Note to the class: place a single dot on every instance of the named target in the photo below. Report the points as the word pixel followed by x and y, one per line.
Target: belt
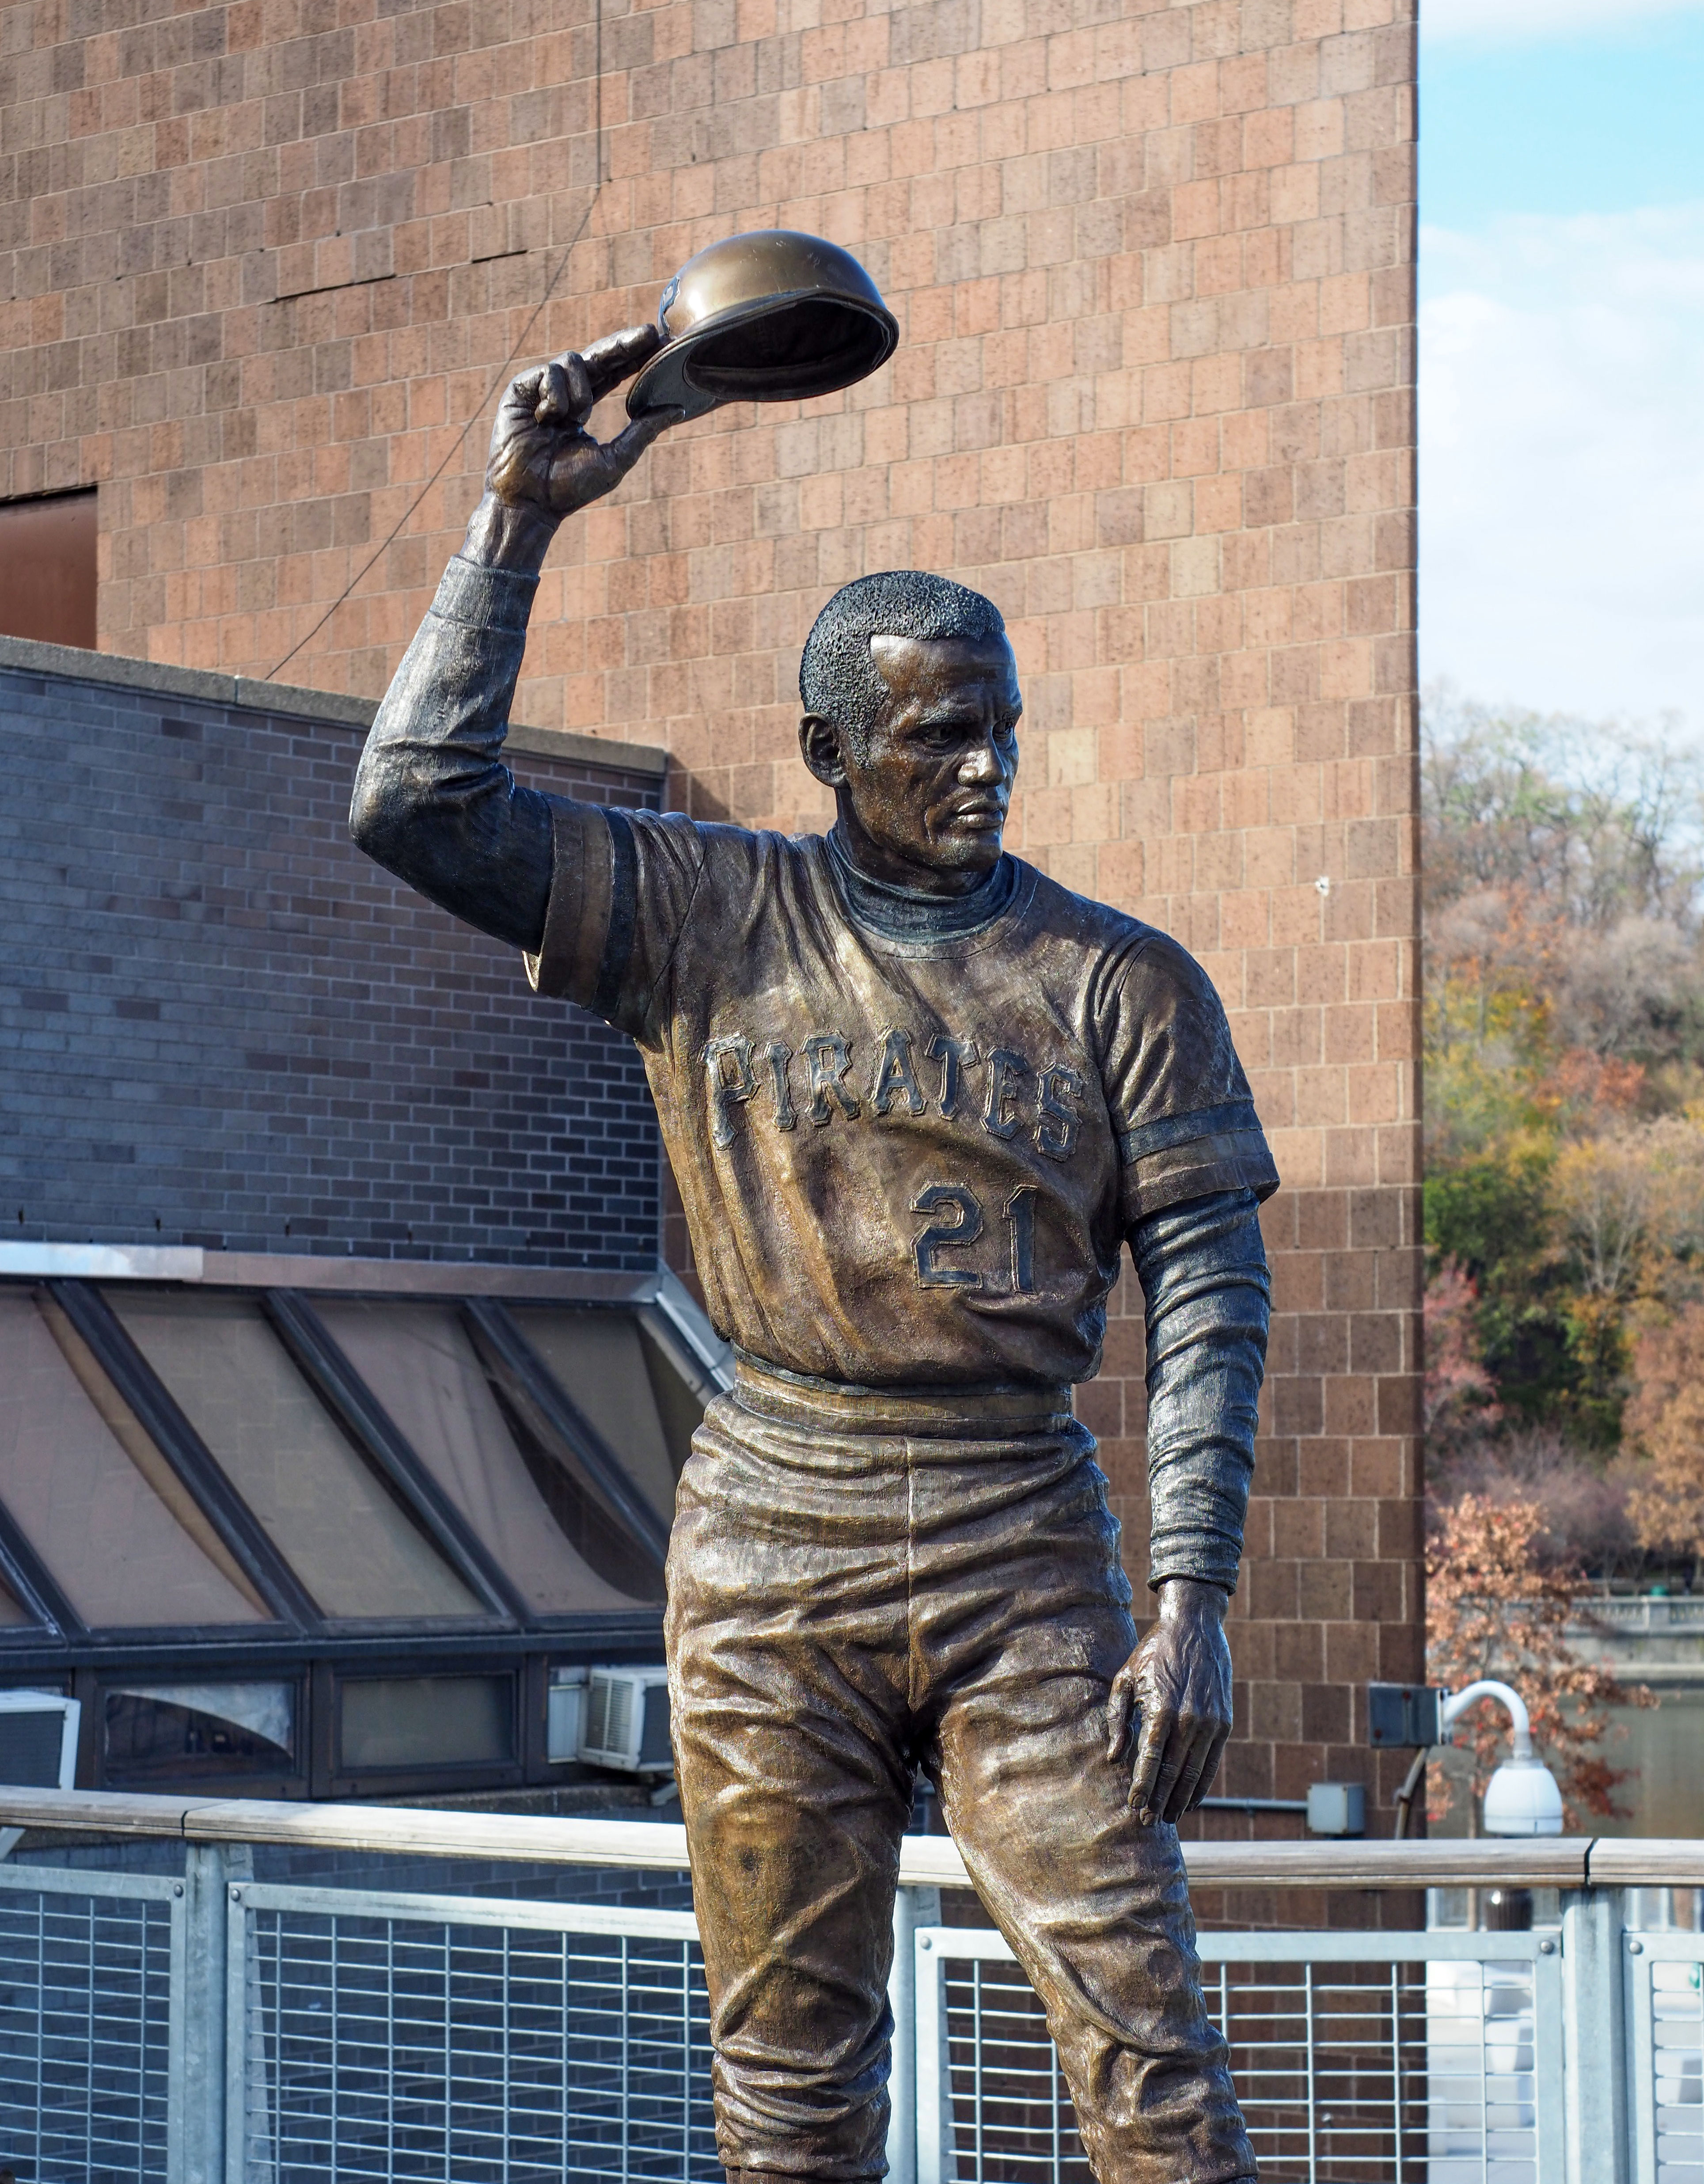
pixel 770 1391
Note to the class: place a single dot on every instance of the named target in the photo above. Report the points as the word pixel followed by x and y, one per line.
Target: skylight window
pixel 114 1527
pixel 420 1361
pixel 355 1548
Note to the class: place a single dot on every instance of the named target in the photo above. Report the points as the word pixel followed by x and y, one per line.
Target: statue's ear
pixel 819 746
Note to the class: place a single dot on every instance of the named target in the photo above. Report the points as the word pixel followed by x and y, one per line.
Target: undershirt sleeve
pixel 1179 1101
pixel 1203 1271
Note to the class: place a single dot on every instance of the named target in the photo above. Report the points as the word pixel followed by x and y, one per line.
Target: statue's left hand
pixel 1174 1692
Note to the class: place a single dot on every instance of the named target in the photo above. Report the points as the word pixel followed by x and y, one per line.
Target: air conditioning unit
pixel 625 1720
pixel 38 1740
pixel 38 1746
pixel 564 1714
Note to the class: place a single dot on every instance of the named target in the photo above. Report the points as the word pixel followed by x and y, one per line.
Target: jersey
pixel 901 1160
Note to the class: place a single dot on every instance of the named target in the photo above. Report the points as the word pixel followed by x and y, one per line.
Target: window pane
pixel 161 1732
pixel 599 1359
pixel 123 1553
pixel 418 1360
pixel 425 1721
pixel 357 1553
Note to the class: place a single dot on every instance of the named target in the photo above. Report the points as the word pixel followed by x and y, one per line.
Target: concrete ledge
pixel 570 748
pixel 291 701
pixel 200 684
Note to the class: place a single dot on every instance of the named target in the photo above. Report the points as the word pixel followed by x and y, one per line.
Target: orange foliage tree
pixel 1459 1400
pixel 1494 1609
pixel 1665 1423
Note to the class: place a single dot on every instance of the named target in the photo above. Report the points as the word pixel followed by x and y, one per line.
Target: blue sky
pixel 1562 419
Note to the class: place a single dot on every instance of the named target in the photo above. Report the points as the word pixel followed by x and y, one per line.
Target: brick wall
pixel 221 1024
pixel 1152 267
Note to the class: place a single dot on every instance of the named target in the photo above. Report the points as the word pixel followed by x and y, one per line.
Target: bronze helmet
pixel 766 317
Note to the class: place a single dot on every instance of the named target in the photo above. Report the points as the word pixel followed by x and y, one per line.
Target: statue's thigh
pixel 1027 1788
pixel 1094 1904
pixel 1022 1620
pixel 790 1751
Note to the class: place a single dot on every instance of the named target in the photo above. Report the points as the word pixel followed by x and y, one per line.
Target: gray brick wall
pixel 220 1024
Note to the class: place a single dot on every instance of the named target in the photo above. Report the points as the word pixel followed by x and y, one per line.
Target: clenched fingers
pixel 617 356
pixel 565 393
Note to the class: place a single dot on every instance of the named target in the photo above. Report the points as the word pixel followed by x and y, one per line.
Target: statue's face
pixel 925 804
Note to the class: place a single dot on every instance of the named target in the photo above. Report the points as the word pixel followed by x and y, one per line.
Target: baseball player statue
pixel 918 1098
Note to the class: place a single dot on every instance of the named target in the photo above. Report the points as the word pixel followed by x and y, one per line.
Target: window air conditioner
pixel 564 1714
pixel 38 1740
pixel 625 1722
pixel 38 1746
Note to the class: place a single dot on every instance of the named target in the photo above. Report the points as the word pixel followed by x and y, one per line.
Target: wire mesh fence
pixel 1008 2110
pixel 1369 2069
pixel 387 2045
pixel 1330 2064
pixel 86 1980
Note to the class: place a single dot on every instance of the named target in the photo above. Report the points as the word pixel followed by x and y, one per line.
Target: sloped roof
pixel 248 1464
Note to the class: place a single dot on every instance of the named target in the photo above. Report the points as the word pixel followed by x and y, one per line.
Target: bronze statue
pixel 918 1098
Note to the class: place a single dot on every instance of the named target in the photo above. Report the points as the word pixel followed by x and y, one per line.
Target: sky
pixel 1562 355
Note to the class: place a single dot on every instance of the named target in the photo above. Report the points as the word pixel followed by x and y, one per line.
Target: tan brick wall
pixel 261 262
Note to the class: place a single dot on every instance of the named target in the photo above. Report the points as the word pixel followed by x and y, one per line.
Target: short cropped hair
pixel 837 677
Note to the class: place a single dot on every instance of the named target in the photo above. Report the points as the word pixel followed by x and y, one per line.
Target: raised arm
pixel 1203 1279
pixel 433 801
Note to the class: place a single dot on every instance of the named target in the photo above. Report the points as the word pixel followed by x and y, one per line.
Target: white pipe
pixel 1458 1703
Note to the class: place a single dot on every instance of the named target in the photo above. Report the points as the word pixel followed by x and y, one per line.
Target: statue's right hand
pixel 543 462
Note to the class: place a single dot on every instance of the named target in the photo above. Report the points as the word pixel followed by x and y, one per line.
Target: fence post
pixel 1594 2036
pixel 937 2160
pixel 208 1868
pixel 912 1908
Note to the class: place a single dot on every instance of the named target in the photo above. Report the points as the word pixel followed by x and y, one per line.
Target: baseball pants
pixel 858 1583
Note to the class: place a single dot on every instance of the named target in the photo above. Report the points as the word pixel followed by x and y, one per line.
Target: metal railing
pixel 1640 1614
pixel 216 2023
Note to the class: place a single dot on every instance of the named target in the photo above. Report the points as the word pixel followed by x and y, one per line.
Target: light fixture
pixel 1522 1797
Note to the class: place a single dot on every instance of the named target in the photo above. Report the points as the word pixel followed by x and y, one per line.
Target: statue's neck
pixel 903 913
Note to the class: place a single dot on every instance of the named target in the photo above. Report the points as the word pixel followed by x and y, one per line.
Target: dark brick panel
pixel 221 1024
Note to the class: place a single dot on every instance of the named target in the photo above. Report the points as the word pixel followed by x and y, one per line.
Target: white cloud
pixel 1488 21
pixel 1561 462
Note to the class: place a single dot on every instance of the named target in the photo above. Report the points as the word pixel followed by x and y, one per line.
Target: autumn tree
pixel 1459 1401
pixel 1665 1424
pixel 1562 871
pixel 1495 1608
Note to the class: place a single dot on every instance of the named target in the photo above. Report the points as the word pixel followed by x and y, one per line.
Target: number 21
pixel 956 1235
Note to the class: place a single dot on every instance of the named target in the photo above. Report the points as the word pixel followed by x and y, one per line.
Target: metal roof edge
pixel 320 1272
